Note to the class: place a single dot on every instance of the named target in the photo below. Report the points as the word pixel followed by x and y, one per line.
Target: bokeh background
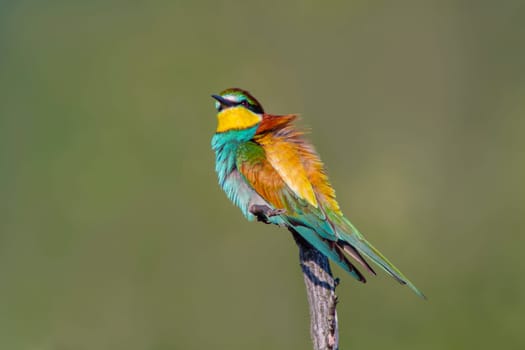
pixel 115 235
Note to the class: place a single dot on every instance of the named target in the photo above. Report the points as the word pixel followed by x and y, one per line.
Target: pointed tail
pixel 352 236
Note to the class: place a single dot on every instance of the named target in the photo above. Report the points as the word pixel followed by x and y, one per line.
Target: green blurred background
pixel 115 235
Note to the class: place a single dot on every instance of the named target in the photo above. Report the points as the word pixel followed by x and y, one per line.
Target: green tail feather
pixel 357 240
pixel 324 247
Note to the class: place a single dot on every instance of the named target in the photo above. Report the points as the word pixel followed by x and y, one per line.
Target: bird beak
pixel 223 101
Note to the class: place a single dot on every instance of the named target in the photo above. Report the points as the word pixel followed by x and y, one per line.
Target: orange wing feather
pixel 262 176
pixel 296 161
pixel 285 159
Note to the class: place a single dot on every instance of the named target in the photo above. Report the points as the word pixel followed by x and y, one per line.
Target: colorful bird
pixel 268 169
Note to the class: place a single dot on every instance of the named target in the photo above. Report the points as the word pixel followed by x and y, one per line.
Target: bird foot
pixel 263 212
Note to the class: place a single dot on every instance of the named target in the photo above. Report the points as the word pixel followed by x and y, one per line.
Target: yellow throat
pixel 236 118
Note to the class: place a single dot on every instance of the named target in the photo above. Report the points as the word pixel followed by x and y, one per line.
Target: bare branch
pixel 320 290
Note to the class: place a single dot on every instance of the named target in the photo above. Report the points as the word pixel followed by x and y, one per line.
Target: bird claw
pixel 275 212
pixel 263 212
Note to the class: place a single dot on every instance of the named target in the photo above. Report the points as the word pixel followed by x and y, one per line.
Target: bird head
pixel 237 110
pixel 235 97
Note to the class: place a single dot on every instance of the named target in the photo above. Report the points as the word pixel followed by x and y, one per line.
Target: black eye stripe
pixel 230 102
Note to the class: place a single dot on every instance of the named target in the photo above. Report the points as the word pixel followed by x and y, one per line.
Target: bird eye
pixel 244 103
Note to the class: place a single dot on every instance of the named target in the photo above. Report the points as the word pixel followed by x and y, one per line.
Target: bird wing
pixel 285 159
pixel 276 173
pixel 262 176
pixel 301 215
pixel 309 196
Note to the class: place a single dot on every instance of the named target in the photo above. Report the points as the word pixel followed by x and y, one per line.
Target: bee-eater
pixel 268 169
